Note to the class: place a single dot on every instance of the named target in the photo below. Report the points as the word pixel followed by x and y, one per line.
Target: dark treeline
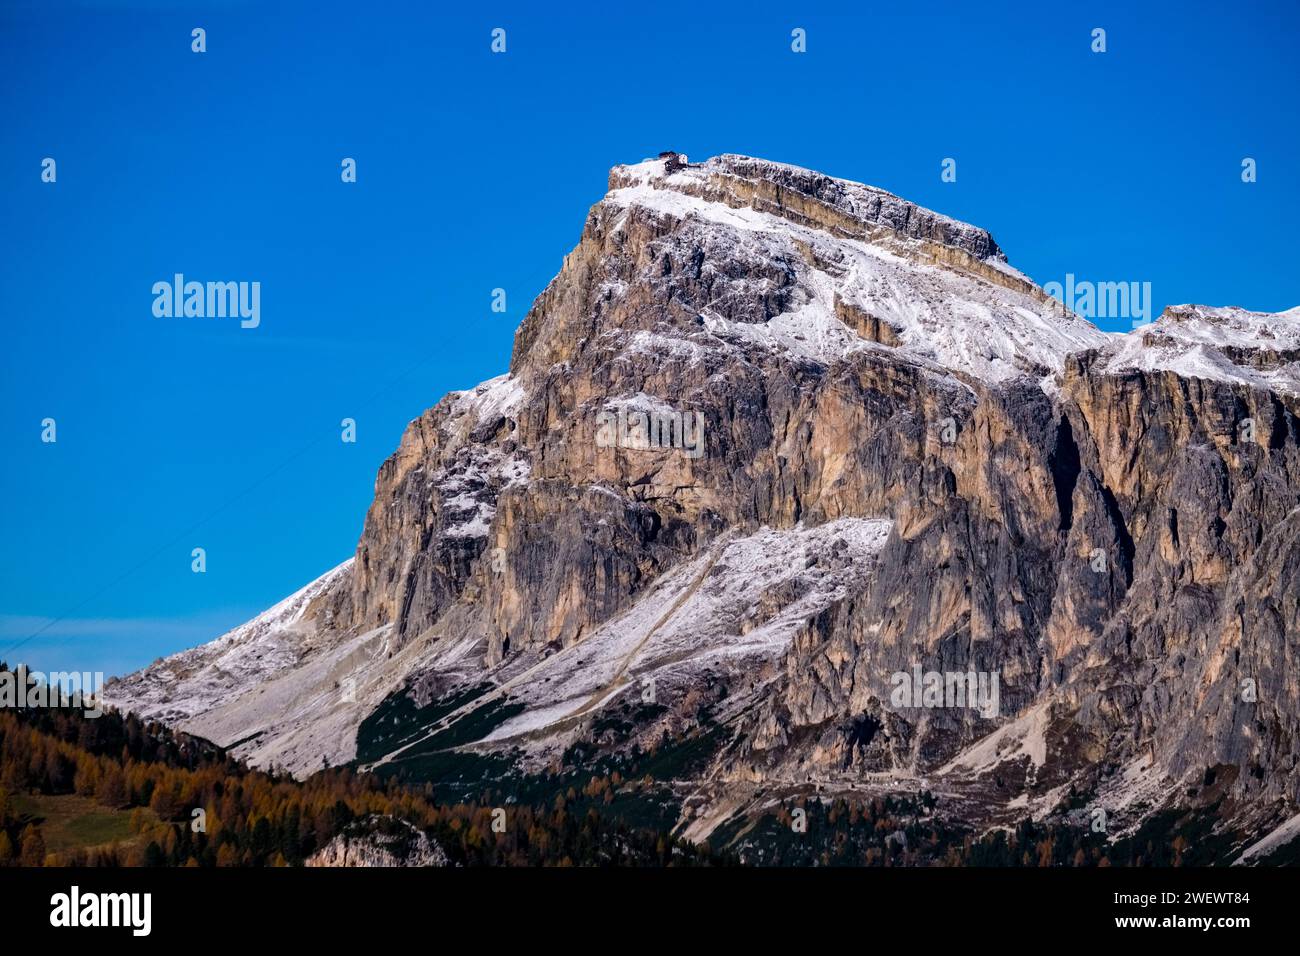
pixel 904 831
pixel 253 818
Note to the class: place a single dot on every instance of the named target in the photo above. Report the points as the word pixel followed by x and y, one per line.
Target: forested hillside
pixel 176 800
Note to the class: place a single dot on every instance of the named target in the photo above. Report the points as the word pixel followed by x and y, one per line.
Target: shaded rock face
pixel 1105 525
pixel 1197 485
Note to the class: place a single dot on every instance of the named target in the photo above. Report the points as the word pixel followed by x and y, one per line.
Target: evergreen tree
pixel 33 846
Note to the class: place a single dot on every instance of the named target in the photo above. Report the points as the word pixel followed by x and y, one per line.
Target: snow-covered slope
pixel 1227 344
pixel 1275 840
pixel 277 702
pixel 193 682
pixel 732 608
pixel 942 288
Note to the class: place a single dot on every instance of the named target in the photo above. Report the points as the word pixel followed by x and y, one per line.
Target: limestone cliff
pixel 770 440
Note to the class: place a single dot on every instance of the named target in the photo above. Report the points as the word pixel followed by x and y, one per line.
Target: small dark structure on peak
pixel 673 161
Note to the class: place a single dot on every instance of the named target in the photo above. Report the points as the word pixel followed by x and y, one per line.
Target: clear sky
pixel 474 172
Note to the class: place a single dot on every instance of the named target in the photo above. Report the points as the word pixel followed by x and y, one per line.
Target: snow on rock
pixel 743 599
pixel 866 271
pixel 468 486
pixel 969 312
pixel 194 681
pixel 494 398
pixel 1025 736
pixel 1226 344
pixel 641 402
pixel 855 201
pixel 1275 840
pixel 286 690
pixel 303 717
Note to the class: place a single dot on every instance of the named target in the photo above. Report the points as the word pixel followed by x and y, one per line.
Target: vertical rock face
pixel 1198 478
pixel 776 445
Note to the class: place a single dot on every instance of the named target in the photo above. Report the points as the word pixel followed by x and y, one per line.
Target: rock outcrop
pixel 379 841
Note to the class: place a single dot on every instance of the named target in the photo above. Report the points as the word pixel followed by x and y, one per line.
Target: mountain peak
pixel 770 442
pixel 804 264
pixel 804 195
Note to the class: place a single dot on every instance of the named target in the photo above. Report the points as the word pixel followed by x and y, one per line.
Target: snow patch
pixel 746 598
pixel 192 682
pixel 1024 736
pixel 955 319
pixel 1223 344
pixel 1275 840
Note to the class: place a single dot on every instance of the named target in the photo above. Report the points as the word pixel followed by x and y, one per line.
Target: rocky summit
pixel 797 490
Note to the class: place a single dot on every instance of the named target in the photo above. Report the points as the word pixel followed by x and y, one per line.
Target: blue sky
pixel 475 171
